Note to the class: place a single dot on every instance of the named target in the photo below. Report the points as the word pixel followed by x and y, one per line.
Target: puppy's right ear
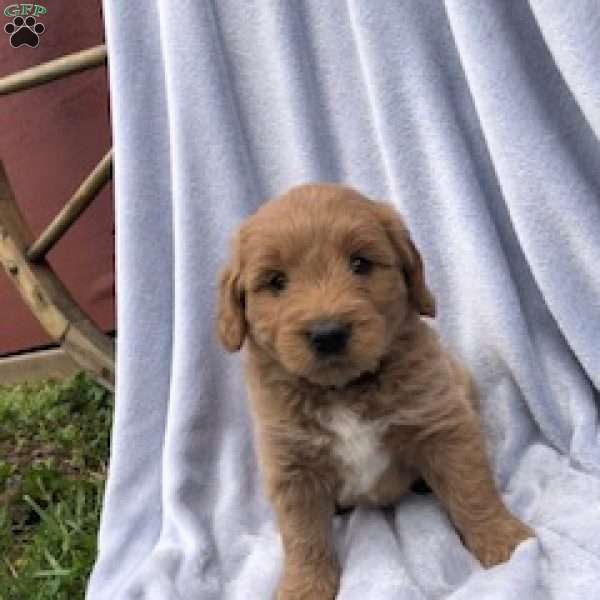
pixel 412 264
pixel 231 318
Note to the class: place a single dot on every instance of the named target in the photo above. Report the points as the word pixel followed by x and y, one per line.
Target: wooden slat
pixel 53 363
pixel 53 69
pixel 80 200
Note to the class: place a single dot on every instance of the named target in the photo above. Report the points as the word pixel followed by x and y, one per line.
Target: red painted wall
pixel 50 139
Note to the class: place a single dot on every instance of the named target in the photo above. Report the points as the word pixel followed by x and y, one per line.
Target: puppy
pixel 353 397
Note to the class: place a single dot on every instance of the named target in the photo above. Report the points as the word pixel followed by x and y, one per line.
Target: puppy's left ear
pixel 410 258
pixel 231 317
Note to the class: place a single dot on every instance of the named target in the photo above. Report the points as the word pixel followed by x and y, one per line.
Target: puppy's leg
pixel 455 465
pixel 304 512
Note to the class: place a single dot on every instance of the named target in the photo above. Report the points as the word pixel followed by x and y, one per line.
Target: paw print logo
pixel 24 32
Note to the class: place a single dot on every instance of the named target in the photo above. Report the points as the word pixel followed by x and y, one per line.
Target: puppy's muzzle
pixel 328 338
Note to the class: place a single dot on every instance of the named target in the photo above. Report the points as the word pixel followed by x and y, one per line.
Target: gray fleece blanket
pixel 479 120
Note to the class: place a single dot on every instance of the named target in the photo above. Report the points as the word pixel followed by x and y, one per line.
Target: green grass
pixel 54 441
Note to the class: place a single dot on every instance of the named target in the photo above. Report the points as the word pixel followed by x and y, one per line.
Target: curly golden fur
pixel 352 394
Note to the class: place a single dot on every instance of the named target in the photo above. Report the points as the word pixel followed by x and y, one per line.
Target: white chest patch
pixel 358 447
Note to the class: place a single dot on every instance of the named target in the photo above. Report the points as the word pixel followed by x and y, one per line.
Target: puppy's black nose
pixel 328 337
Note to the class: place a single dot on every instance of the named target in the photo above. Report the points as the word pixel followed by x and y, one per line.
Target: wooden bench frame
pixel 23 258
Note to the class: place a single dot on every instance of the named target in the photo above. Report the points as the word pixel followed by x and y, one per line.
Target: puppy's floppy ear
pixel 419 293
pixel 231 318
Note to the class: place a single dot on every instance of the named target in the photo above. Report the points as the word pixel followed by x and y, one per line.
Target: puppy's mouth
pixel 339 372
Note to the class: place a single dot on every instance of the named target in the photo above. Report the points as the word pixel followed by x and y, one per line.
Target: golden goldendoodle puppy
pixel 352 394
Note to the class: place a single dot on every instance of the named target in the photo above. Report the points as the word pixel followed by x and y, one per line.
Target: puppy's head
pixel 322 279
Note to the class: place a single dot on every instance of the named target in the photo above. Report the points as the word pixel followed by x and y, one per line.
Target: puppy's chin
pixel 335 372
pixel 333 375
pixel 337 377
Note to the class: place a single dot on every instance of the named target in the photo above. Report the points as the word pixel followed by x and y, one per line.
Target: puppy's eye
pixel 360 265
pixel 277 282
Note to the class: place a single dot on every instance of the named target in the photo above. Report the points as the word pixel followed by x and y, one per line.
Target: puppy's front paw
pixel 497 540
pixel 309 584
